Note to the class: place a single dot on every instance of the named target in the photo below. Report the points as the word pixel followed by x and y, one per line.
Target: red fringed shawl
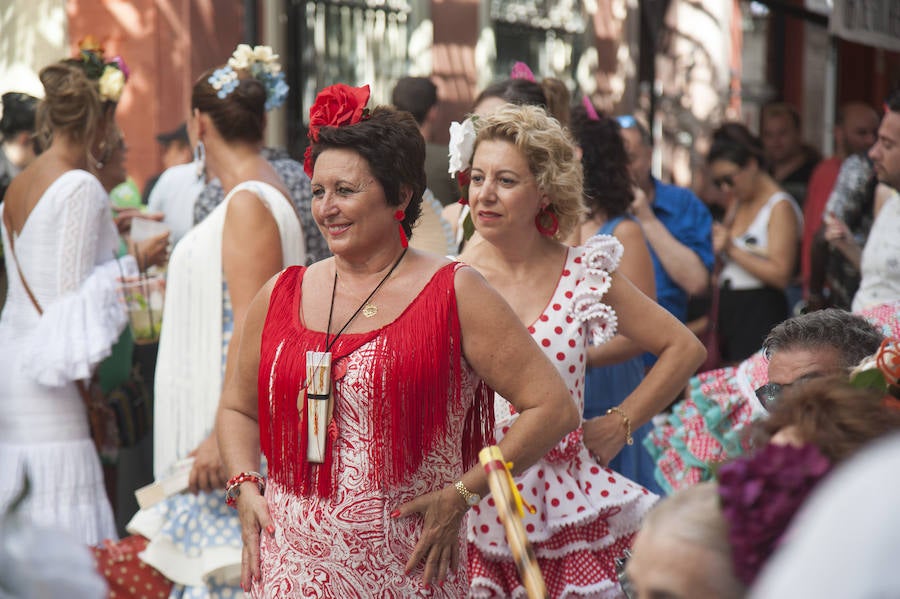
pixel 417 375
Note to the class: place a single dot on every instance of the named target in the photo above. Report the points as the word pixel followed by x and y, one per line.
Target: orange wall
pixel 166 44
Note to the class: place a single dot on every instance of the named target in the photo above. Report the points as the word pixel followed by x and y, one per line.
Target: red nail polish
pixel 395 514
pixel 427 587
pixel 270 529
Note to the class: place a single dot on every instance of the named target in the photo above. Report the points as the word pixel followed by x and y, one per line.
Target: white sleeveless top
pixel 880 262
pixel 756 240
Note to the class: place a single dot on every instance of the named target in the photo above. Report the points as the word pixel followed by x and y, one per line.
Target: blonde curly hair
pixel 550 152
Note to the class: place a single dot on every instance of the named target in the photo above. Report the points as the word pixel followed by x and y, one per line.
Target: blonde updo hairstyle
pixel 550 153
pixel 71 107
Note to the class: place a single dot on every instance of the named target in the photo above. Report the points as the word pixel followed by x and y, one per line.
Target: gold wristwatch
pixel 469 497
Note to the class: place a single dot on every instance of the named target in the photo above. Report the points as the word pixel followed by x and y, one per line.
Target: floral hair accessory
pixel 520 70
pixel 337 105
pixel 881 371
pixel 224 81
pixel 111 76
pixel 760 494
pixel 461 147
pixel 262 64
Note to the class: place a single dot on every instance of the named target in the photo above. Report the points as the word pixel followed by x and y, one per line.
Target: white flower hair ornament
pixel 262 64
pixel 462 145
pixel 601 256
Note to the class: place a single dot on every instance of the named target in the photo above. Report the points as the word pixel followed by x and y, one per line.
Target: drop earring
pixel 399 216
pixel 200 159
pixel 550 229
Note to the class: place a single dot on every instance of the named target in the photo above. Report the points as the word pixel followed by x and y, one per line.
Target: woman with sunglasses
pixel 757 243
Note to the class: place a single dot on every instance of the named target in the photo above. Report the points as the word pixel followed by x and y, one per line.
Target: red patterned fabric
pixel 585 514
pixel 410 410
pixel 127 576
pixel 405 404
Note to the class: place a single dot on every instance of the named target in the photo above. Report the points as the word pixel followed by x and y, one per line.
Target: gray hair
pixel 850 335
pixel 694 516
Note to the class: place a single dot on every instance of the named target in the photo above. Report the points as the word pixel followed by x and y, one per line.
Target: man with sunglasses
pixel 675 222
pixel 820 343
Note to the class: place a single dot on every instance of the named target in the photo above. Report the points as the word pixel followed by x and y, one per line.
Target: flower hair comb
pixel 111 76
pixel 337 105
pixel 520 70
pixel 881 371
pixel 760 494
pixel 262 64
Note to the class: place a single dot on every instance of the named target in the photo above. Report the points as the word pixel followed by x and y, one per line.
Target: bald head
pixel 856 127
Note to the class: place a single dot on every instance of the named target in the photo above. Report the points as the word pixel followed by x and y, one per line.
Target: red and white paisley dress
pixel 336 538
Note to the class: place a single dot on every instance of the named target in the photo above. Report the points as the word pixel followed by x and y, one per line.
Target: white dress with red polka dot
pixel 586 514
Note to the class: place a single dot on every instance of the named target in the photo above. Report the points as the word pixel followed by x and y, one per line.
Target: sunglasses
pixel 724 180
pixel 626 121
pixel 769 394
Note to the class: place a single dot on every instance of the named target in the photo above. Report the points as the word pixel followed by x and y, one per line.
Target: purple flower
pixel 120 62
pixel 759 496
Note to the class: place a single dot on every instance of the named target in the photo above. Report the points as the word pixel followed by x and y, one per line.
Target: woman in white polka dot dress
pixel 525 196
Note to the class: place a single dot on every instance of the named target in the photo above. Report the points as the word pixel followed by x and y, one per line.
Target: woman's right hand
pixel 254 516
pixel 721 238
pixel 152 251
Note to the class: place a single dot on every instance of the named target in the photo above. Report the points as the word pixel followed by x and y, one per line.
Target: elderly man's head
pixel 816 344
pixel 682 550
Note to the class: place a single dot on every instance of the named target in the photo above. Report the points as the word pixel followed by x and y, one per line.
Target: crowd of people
pixel 340 337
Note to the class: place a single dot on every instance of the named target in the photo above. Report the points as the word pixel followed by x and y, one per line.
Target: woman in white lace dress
pixel 214 272
pixel 525 195
pixel 59 233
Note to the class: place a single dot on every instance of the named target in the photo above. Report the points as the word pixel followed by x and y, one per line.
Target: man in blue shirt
pixel 676 223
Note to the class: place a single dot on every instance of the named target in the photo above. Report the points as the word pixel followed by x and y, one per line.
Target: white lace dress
pixel 66 252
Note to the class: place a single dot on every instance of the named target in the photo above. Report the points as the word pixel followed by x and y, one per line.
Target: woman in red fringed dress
pixel 411 337
pixel 525 194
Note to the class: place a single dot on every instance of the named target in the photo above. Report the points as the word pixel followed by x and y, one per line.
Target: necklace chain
pixel 363 307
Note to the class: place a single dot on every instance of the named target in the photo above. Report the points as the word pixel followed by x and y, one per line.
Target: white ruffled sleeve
pixel 600 257
pixel 79 327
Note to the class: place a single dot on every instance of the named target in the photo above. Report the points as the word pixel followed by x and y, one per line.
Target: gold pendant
pixel 370 310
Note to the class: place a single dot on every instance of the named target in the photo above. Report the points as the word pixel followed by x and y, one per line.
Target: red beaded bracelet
pixel 233 487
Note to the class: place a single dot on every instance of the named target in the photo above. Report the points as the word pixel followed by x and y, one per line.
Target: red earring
pixel 399 216
pixel 550 229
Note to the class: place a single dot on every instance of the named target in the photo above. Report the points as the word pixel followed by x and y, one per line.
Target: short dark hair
pixel 390 142
pixel 551 94
pixel 241 114
pixel 893 101
pixel 777 109
pixel 607 181
pixel 733 142
pixel 18 113
pixel 415 95
pixel 851 336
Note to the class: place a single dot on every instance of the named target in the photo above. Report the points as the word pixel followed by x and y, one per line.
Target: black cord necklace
pixel 329 344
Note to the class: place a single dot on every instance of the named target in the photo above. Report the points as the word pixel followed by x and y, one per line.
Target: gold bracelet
pixel 629 440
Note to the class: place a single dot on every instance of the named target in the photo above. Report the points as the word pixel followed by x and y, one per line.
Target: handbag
pixel 127 576
pixel 117 419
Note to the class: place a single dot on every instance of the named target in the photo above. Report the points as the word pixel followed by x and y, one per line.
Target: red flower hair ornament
pixel 881 371
pixel 336 106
